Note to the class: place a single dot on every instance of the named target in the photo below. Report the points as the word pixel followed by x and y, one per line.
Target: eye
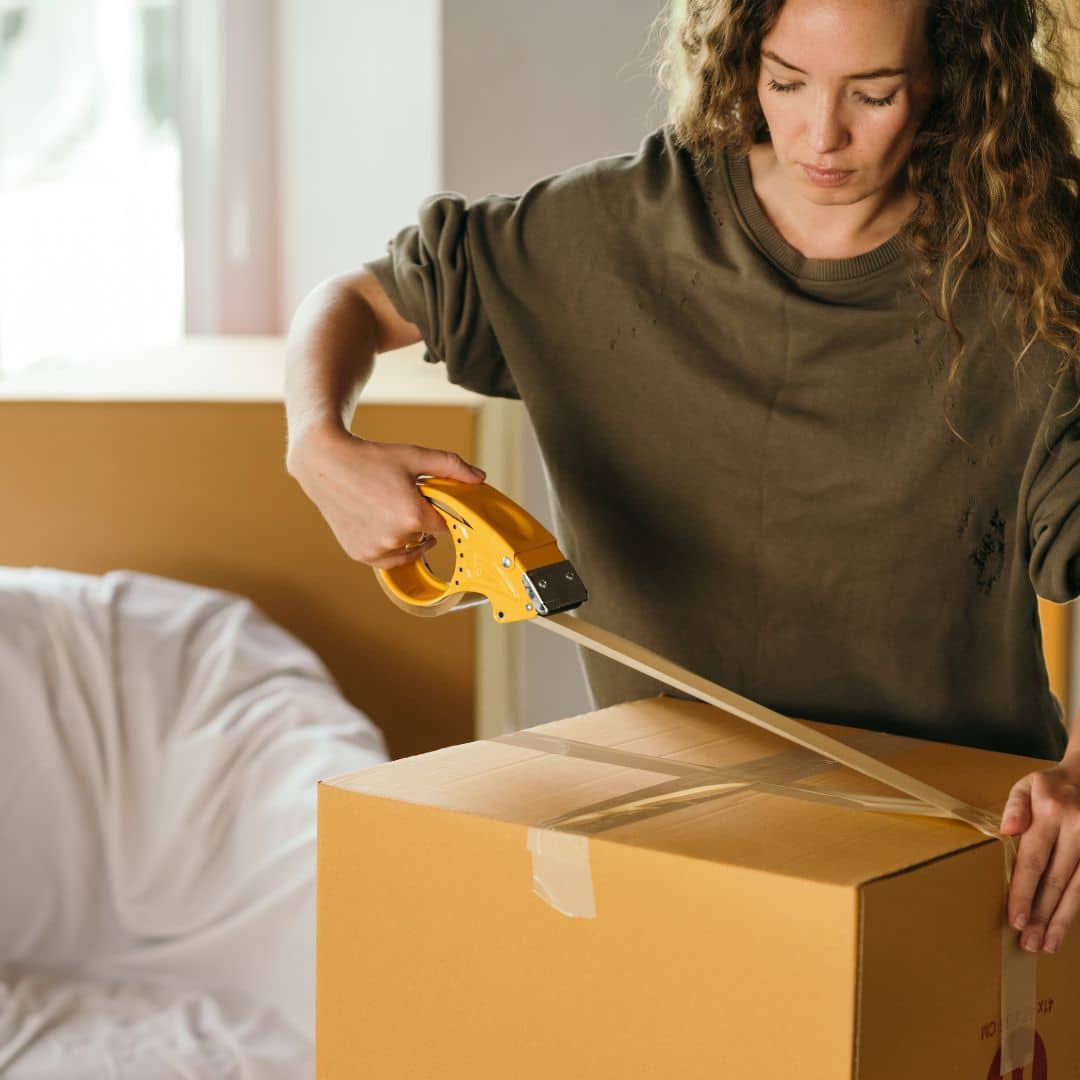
pixel 877 101
pixel 783 88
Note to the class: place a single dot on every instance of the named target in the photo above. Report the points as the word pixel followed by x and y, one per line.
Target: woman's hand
pixel 1045 895
pixel 367 492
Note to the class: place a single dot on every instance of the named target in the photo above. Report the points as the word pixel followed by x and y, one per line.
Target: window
pixel 90 196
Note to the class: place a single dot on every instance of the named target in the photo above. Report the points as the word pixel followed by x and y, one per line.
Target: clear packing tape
pixel 562 876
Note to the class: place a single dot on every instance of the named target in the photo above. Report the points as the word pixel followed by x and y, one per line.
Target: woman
pixel 804 372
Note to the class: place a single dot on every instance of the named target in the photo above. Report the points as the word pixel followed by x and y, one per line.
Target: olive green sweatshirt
pixel 748 458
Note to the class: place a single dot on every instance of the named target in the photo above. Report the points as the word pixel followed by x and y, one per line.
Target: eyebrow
pixel 877 73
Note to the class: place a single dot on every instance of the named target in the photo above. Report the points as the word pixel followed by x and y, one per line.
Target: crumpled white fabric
pixel 160 747
pixel 57 1025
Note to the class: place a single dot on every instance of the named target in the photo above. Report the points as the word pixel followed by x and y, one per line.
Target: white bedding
pixel 160 746
pixel 55 1025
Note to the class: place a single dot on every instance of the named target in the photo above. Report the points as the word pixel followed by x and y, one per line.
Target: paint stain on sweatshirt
pixel 989 557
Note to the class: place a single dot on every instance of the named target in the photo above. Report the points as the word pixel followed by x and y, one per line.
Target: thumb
pixel 1017 814
pixel 446 463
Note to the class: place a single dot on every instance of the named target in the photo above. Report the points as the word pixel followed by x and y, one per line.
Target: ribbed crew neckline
pixel 737 169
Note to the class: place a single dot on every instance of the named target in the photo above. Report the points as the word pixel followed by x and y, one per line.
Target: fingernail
pixel 1031 941
pixel 1020 922
pixel 1052 944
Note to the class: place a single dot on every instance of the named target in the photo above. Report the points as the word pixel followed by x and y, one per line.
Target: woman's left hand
pixel 1045 895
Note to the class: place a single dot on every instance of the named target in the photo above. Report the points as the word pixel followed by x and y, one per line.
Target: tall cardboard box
pixel 586 900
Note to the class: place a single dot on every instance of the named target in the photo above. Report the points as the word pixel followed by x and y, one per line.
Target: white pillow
pixel 160 747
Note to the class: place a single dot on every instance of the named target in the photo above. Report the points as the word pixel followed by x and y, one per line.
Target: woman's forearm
pixel 329 358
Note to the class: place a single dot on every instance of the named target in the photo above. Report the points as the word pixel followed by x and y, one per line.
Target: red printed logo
pixel 1038 1065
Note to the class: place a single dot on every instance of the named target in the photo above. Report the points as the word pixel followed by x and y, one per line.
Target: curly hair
pixel 993 164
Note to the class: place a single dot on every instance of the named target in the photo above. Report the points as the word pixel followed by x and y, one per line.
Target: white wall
pixel 531 88
pixel 360 141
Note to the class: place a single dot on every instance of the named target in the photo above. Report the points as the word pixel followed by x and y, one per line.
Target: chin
pixel 851 191
pixel 828 194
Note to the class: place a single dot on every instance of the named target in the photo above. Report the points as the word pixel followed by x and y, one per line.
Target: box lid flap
pixel 757 825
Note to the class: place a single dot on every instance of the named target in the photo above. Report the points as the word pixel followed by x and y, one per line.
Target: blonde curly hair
pixel 994 164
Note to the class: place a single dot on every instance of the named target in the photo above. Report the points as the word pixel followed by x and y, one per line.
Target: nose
pixel 827 130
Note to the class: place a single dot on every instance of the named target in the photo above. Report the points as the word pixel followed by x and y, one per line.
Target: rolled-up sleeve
pixel 1053 500
pixel 430 276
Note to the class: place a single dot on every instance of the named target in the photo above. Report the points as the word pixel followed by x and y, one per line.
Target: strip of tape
pixel 562 874
pixel 1018 988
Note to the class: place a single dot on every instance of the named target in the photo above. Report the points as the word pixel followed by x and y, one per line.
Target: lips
pixel 828 172
pixel 832 178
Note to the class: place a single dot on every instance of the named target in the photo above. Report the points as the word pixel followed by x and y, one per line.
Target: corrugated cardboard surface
pixel 754 935
pixel 929 970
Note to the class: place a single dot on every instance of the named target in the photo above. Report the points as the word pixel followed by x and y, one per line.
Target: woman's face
pixel 844 85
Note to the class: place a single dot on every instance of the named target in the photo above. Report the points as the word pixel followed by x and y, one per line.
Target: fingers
pixel 1045 891
pixel 445 463
pixel 1063 917
pixel 1016 816
pixel 1031 860
pixel 1056 899
pixel 409 552
pixel 367 492
pixel 431 521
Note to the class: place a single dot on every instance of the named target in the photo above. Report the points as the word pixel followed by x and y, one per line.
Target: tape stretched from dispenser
pixel 562 875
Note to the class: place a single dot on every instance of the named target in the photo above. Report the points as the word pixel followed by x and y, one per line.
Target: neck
pixel 821 231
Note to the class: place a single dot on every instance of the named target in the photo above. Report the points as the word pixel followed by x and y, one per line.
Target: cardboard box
pixel 772 931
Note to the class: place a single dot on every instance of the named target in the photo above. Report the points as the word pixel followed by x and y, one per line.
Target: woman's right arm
pixel 365 490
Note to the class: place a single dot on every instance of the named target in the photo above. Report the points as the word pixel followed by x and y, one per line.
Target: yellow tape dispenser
pixel 503 556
